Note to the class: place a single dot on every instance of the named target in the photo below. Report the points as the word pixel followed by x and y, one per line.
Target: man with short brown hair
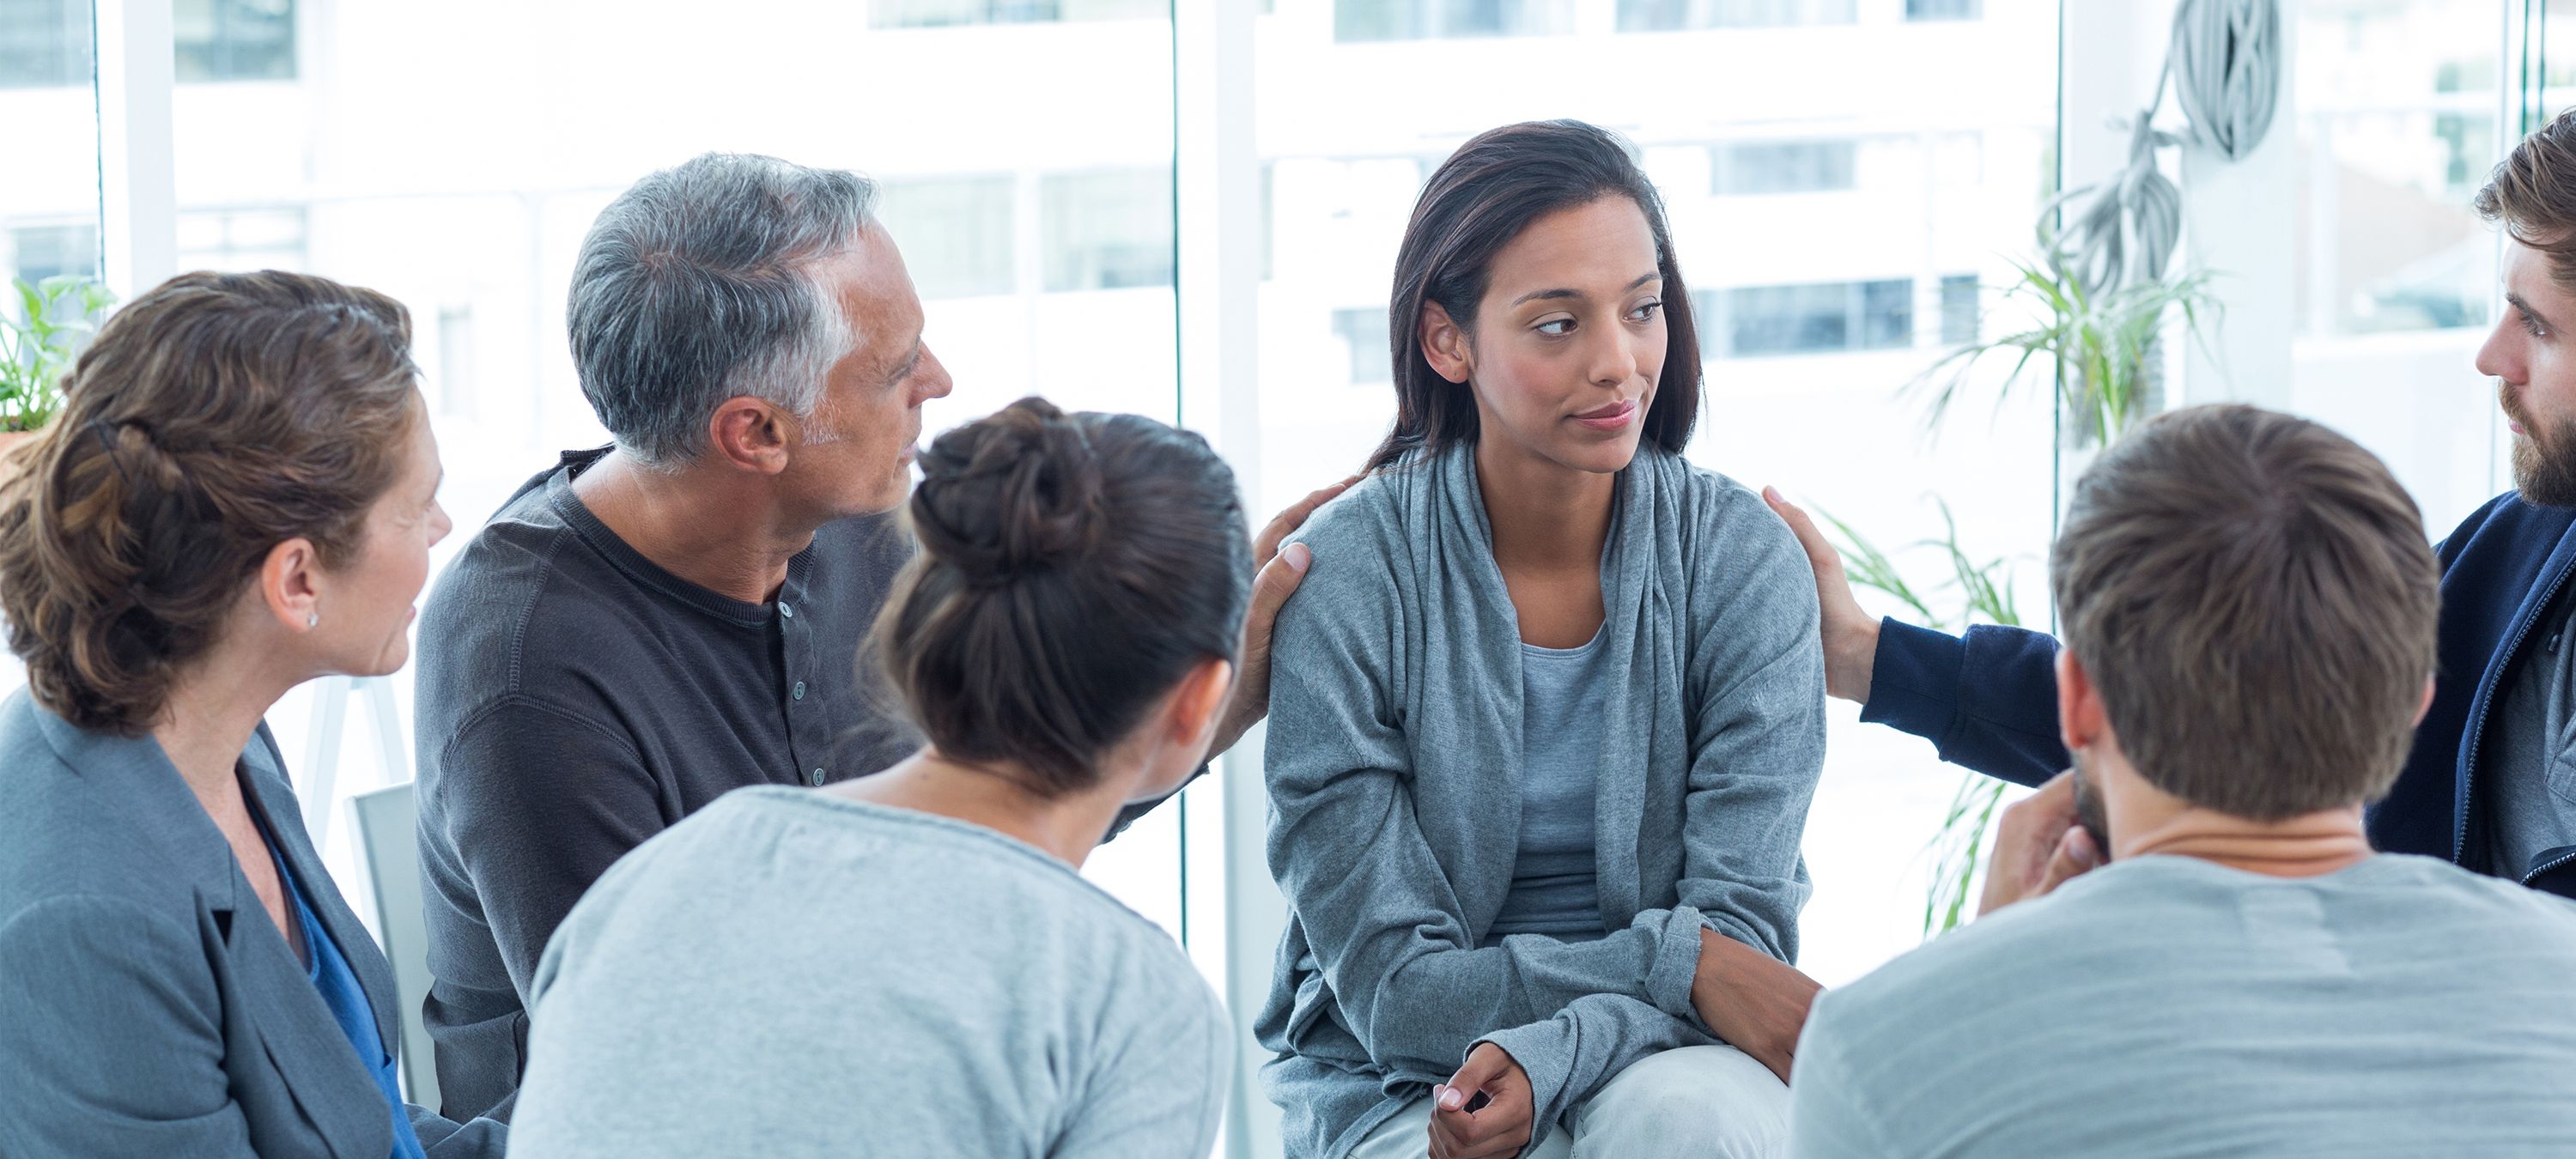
pixel 2491 782
pixel 2250 613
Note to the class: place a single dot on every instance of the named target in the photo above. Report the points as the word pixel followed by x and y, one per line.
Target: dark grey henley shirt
pixel 575 699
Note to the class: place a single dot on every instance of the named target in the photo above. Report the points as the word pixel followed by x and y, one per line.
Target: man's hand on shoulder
pixel 1280 573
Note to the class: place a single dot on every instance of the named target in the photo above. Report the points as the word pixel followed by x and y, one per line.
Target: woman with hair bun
pixel 909 963
pixel 239 495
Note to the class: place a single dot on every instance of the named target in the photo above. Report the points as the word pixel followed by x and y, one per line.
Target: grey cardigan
pixel 1395 745
pixel 148 1006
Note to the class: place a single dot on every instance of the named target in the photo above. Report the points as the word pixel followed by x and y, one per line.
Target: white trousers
pixel 1697 1102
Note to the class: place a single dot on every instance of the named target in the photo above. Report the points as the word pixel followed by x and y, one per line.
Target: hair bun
pixel 1010 496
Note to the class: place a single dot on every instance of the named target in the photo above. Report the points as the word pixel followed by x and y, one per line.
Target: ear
pixel 1196 704
pixel 290 584
pixel 2425 705
pixel 750 433
pixel 1444 344
pixel 2081 719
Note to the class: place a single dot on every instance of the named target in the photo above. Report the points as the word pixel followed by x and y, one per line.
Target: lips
pixel 1611 417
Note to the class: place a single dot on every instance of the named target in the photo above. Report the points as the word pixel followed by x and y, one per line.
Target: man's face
pixel 2534 366
pixel 855 454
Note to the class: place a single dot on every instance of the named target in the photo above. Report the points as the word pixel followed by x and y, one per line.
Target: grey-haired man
pixel 644 627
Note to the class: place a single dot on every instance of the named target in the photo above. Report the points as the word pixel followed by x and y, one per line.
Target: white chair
pixel 319 775
pixel 389 848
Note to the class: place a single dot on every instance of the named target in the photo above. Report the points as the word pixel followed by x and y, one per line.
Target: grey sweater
pixel 787 974
pixel 1393 765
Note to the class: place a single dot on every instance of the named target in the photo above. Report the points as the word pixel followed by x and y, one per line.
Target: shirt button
pixel 800 690
pixel 785 610
pixel 818 778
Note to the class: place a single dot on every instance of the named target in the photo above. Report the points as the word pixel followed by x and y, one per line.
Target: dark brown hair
pixel 1481 198
pixel 2254 597
pixel 1073 569
pixel 214 418
pixel 2533 193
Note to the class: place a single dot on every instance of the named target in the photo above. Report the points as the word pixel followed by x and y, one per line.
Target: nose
pixel 439 523
pixel 933 373
pixel 1614 356
pixel 2503 356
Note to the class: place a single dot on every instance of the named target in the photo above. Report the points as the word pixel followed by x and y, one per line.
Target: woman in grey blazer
pixel 1541 752
pixel 239 495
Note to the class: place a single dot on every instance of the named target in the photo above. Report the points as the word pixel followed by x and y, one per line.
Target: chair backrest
pixel 389 844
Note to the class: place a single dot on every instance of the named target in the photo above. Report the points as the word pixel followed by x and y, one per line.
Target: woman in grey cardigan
pixel 1545 728
pixel 239 495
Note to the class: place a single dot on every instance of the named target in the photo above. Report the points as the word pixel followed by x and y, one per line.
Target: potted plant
pixel 2103 348
pixel 56 316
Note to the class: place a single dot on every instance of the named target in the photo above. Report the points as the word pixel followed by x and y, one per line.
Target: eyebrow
pixel 1546 295
pixel 2515 300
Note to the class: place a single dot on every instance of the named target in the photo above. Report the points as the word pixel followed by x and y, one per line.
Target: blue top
pixel 1555 889
pixel 348 1002
pixel 1989 700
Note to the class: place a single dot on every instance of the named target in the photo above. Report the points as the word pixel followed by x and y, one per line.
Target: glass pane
pixel 50 224
pixel 230 40
pixel 2397 129
pixel 2394 274
pixel 1833 224
pixel 1034 212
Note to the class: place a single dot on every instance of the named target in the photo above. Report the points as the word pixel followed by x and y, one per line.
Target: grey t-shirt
pixel 1555 887
pixel 2168 1006
pixel 791 974
pixel 2527 788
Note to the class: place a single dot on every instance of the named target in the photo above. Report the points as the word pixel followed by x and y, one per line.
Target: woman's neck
pixel 1545 516
pixel 212 711
pixel 1069 827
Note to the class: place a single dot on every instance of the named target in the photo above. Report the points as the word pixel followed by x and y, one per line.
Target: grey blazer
pixel 147 1004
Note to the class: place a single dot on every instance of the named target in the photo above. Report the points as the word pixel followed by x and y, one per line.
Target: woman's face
pixel 1569 340
pixel 366 608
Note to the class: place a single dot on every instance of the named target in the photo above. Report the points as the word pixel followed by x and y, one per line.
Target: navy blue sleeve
pixel 1987 701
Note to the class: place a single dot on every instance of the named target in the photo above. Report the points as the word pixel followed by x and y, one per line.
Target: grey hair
pixel 698 284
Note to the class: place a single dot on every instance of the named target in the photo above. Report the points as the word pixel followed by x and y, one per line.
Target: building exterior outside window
pixel 44 43
pixel 1752 321
pixel 1107 231
pixel 1363 20
pixel 1364 331
pixel 956 232
pixel 946 13
pixel 233 40
pixel 47 251
pixel 1783 167
pixel 1681 15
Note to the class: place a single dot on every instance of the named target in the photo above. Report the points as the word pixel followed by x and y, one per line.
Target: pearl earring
pixel 312 619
